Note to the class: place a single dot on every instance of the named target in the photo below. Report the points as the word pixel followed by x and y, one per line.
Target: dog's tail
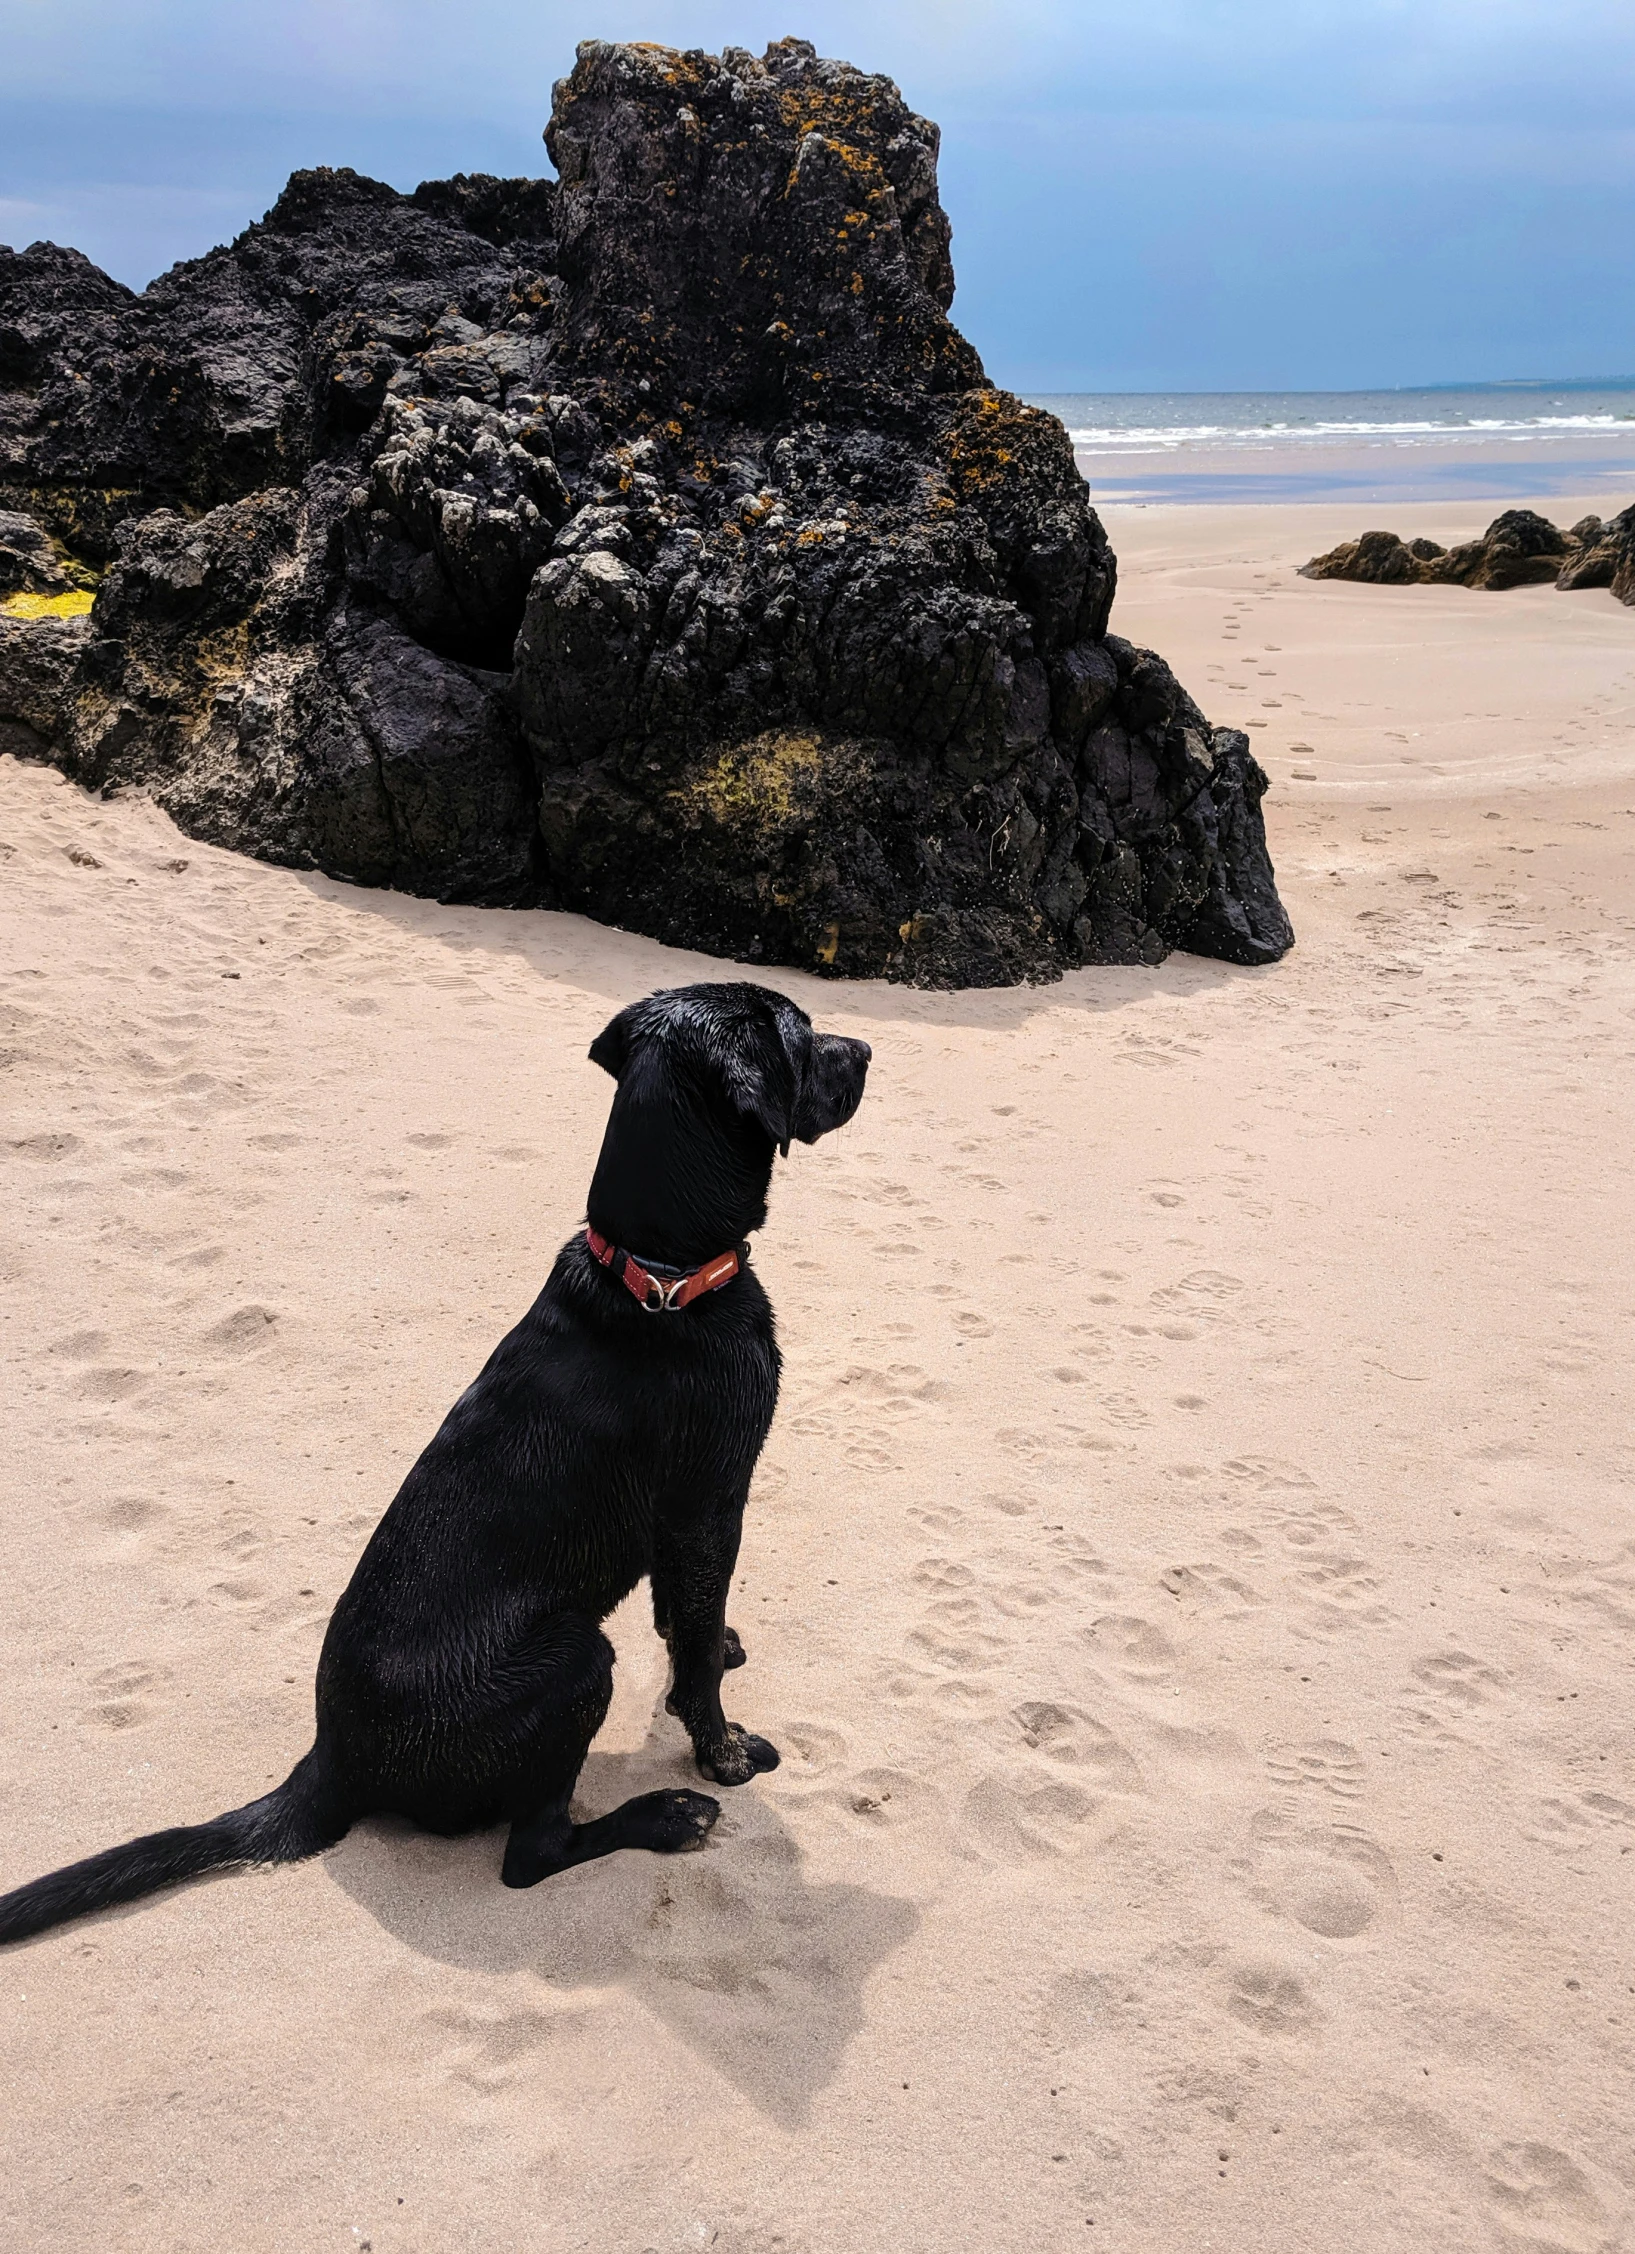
pixel 282 1827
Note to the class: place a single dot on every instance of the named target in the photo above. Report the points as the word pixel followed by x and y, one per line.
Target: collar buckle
pixel 664 1294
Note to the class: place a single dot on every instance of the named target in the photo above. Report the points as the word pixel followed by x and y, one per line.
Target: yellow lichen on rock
pixel 757 783
pixel 74 604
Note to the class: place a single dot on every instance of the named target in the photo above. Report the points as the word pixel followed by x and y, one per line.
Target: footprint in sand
pixel 1206 1294
pixel 1020 1600
pixel 1570 1825
pixel 126 1695
pixel 938 1518
pixel 1332 1879
pixel 899 1386
pixel 80 1345
pixel 1269 1998
pixel 130 1514
pixel 237 1588
pixel 1312 1525
pixel 1339 1591
pixel 888 1800
pixel 1269 1475
pixel 1019 1823
pixel 242 1331
pixel 489 2049
pixel 1326 1763
pixel 942 1573
pixel 1009 1503
pixel 898 1242
pixel 1343 1580
pixel 864 1454
pixel 113 1383
pixel 1459 1677
pixel 811 1750
pixel 1074 1560
pixel 46 1147
pixel 1133 1645
pixel 1543 2202
pixel 1206 1587
pixel 1069 1735
pixel 952 1637
pixel 1124 1410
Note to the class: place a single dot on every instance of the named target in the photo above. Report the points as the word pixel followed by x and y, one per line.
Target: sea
pixel 1476 441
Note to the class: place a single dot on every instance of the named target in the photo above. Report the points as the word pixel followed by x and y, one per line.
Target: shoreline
pixel 1541 472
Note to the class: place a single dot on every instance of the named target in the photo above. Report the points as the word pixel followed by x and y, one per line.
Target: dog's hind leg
pixel 563 1683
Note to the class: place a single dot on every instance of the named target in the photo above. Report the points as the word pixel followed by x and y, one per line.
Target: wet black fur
pixel 465 1672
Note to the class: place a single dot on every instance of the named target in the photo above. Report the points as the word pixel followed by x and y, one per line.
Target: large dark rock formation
pixel 647 542
pixel 1518 549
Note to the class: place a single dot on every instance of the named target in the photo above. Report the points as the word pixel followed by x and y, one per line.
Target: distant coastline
pixel 1510 440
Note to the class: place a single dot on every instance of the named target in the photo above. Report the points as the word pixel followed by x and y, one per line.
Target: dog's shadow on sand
pixel 757 1969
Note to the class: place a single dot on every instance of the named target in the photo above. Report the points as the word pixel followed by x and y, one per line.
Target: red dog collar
pixel 663 1294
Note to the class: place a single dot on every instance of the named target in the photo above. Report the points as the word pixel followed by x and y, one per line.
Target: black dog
pixel 612 1434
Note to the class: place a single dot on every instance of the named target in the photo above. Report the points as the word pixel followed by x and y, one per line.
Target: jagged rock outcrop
pixel 646 542
pixel 1518 549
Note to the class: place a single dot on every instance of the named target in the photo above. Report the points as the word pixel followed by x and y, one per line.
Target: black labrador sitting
pixel 612 1434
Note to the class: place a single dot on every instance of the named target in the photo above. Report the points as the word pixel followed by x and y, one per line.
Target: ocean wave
pixel 1172 437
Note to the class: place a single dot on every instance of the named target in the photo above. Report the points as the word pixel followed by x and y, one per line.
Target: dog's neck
pixel 677 1181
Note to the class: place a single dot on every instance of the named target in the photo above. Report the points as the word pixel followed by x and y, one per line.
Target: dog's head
pixel 712 1080
pixel 755 1050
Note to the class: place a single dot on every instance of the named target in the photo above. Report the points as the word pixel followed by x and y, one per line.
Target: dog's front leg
pixel 733 1653
pixel 692 1572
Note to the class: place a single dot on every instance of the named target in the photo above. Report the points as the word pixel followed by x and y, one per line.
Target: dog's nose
pixel 864 1051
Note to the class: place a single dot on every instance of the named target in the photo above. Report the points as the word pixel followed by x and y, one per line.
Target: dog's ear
pixel 611 1046
pixel 765 1070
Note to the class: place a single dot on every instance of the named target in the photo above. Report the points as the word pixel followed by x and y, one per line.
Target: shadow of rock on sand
pixel 755 1968
pixel 616 964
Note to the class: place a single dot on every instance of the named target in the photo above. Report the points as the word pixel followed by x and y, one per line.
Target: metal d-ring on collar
pixel 661 1289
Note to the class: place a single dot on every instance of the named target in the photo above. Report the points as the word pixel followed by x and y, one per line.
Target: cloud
pixel 1395 57
pixel 1191 191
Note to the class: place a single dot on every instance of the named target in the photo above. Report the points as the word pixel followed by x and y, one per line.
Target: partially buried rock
pixel 1602 555
pixel 646 542
pixel 1518 549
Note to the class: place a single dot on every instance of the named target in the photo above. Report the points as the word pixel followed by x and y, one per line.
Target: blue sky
pixel 1187 194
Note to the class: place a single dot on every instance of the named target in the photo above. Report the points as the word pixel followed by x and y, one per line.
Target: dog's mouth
pixel 834 1084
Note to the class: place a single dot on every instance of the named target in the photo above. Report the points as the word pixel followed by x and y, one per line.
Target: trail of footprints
pixel 1053 1773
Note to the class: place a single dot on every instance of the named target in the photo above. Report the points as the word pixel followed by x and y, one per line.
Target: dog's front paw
pixel 737 1757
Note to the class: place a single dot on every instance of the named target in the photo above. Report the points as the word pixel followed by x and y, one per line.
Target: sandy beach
pixel 1190 1578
